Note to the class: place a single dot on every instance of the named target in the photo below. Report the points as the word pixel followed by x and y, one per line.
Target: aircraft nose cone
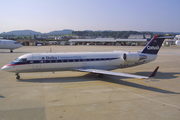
pixel 20 45
pixel 8 68
pixel 4 68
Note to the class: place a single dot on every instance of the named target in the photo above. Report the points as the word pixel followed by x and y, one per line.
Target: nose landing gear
pixel 17 76
pixel 11 50
pixel 100 75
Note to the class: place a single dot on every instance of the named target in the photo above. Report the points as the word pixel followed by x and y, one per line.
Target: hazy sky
pixel 49 15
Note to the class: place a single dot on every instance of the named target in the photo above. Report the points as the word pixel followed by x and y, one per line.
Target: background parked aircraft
pixel 9 44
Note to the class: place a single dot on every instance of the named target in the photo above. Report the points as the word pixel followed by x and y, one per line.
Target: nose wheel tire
pixel 17 76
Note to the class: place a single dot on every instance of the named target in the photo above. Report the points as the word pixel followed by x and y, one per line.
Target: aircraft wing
pixel 117 73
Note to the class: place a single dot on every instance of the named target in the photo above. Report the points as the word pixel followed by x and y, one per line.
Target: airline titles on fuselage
pixel 60 57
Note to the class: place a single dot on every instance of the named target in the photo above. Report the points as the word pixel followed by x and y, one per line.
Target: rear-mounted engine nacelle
pixel 132 57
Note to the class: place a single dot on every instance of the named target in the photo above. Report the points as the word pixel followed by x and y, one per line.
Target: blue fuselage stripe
pixel 61 61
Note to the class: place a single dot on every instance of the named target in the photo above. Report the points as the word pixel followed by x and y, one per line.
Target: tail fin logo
pixel 153 47
pixel 155 44
pixel 155 41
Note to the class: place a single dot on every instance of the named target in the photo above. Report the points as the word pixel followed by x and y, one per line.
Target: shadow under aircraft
pixel 107 78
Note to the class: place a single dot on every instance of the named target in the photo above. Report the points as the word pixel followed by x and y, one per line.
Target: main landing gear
pixel 100 75
pixel 11 51
pixel 17 76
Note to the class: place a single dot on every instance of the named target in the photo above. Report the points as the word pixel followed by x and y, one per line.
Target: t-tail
pixel 154 45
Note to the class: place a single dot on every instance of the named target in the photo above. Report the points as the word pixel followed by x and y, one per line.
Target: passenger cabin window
pixel 76 60
pixel 71 60
pixel 53 61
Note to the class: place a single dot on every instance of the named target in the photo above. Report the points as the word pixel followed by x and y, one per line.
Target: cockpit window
pixel 16 60
pixel 20 60
pixel 16 43
pixel 23 60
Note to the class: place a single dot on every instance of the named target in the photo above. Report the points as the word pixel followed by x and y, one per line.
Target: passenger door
pixel 36 61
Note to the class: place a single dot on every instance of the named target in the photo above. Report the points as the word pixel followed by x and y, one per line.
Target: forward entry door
pixel 36 61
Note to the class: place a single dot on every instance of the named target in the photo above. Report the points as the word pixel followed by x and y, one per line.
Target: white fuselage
pixel 177 42
pixel 9 44
pixel 177 38
pixel 44 62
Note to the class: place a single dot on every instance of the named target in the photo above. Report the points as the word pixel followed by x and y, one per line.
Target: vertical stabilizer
pixel 154 45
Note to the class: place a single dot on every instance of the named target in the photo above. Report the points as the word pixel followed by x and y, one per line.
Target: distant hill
pixel 21 32
pixel 59 32
pixel 66 31
pixel 31 32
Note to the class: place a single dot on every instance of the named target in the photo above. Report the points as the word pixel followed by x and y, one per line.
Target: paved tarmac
pixel 83 96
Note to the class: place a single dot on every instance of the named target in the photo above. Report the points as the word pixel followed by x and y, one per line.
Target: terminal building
pixel 133 40
pixel 142 36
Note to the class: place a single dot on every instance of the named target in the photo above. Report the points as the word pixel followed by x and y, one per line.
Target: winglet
pixel 154 72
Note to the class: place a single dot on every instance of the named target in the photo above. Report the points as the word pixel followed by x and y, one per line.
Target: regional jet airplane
pixel 94 62
pixel 9 44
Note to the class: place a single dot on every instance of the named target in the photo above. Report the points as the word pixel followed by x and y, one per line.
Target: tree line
pixel 109 34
